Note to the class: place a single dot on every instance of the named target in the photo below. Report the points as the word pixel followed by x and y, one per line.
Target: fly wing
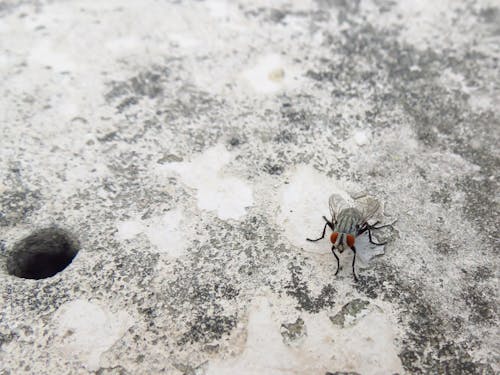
pixel 368 207
pixel 337 204
pixel 366 250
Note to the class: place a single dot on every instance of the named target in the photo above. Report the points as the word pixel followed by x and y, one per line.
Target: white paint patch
pixel 482 100
pixel 218 9
pixel 123 45
pixel 167 233
pixel 84 331
pixel 361 137
pixel 303 203
pixel 79 173
pixel 264 353
pixel 270 74
pixel 366 345
pixel 46 55
pixel 228 196
pixel 183 40
pixel 129 229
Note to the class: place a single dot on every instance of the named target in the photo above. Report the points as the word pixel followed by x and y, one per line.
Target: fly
pixel 347 223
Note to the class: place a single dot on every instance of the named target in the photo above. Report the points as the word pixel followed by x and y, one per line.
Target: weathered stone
pixel 188 149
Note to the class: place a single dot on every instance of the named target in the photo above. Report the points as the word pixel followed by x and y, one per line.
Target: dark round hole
pixel 42 254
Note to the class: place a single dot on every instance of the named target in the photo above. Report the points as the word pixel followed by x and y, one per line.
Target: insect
pixel 347 223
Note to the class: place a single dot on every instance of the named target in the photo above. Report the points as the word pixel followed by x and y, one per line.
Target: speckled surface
pixel 189 148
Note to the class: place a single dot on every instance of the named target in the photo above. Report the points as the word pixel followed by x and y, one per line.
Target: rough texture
pixel 190 147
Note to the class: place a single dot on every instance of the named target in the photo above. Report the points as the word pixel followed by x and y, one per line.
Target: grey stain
pixel 148 84
pixel 426 329
pixel 293 331
pixel 298 289
pixel 353 309
pixel 17 205
pixel 208 328
pixel 273 169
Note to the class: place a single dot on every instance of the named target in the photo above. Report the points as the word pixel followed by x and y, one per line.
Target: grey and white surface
pixel 190 148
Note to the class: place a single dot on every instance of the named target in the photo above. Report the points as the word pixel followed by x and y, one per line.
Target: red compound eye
pixel 334 236
pixel 350 240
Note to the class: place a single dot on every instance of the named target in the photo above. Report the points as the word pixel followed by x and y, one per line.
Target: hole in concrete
pixel 42 254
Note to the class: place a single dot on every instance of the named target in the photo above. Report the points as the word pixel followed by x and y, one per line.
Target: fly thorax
pixel 348 221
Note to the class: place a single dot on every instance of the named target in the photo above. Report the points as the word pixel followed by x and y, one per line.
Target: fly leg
pixel 383 226
pixel 362 229
pixel 367 227
pixel 375 243
pixel 322 236
pixel 353 261
pixel 336 257
pixel 328 223
pixel 370 227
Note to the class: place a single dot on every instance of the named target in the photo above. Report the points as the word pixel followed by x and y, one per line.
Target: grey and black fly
pixel 348 222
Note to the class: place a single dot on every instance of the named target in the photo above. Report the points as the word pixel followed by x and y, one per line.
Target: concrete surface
pixel 188 148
